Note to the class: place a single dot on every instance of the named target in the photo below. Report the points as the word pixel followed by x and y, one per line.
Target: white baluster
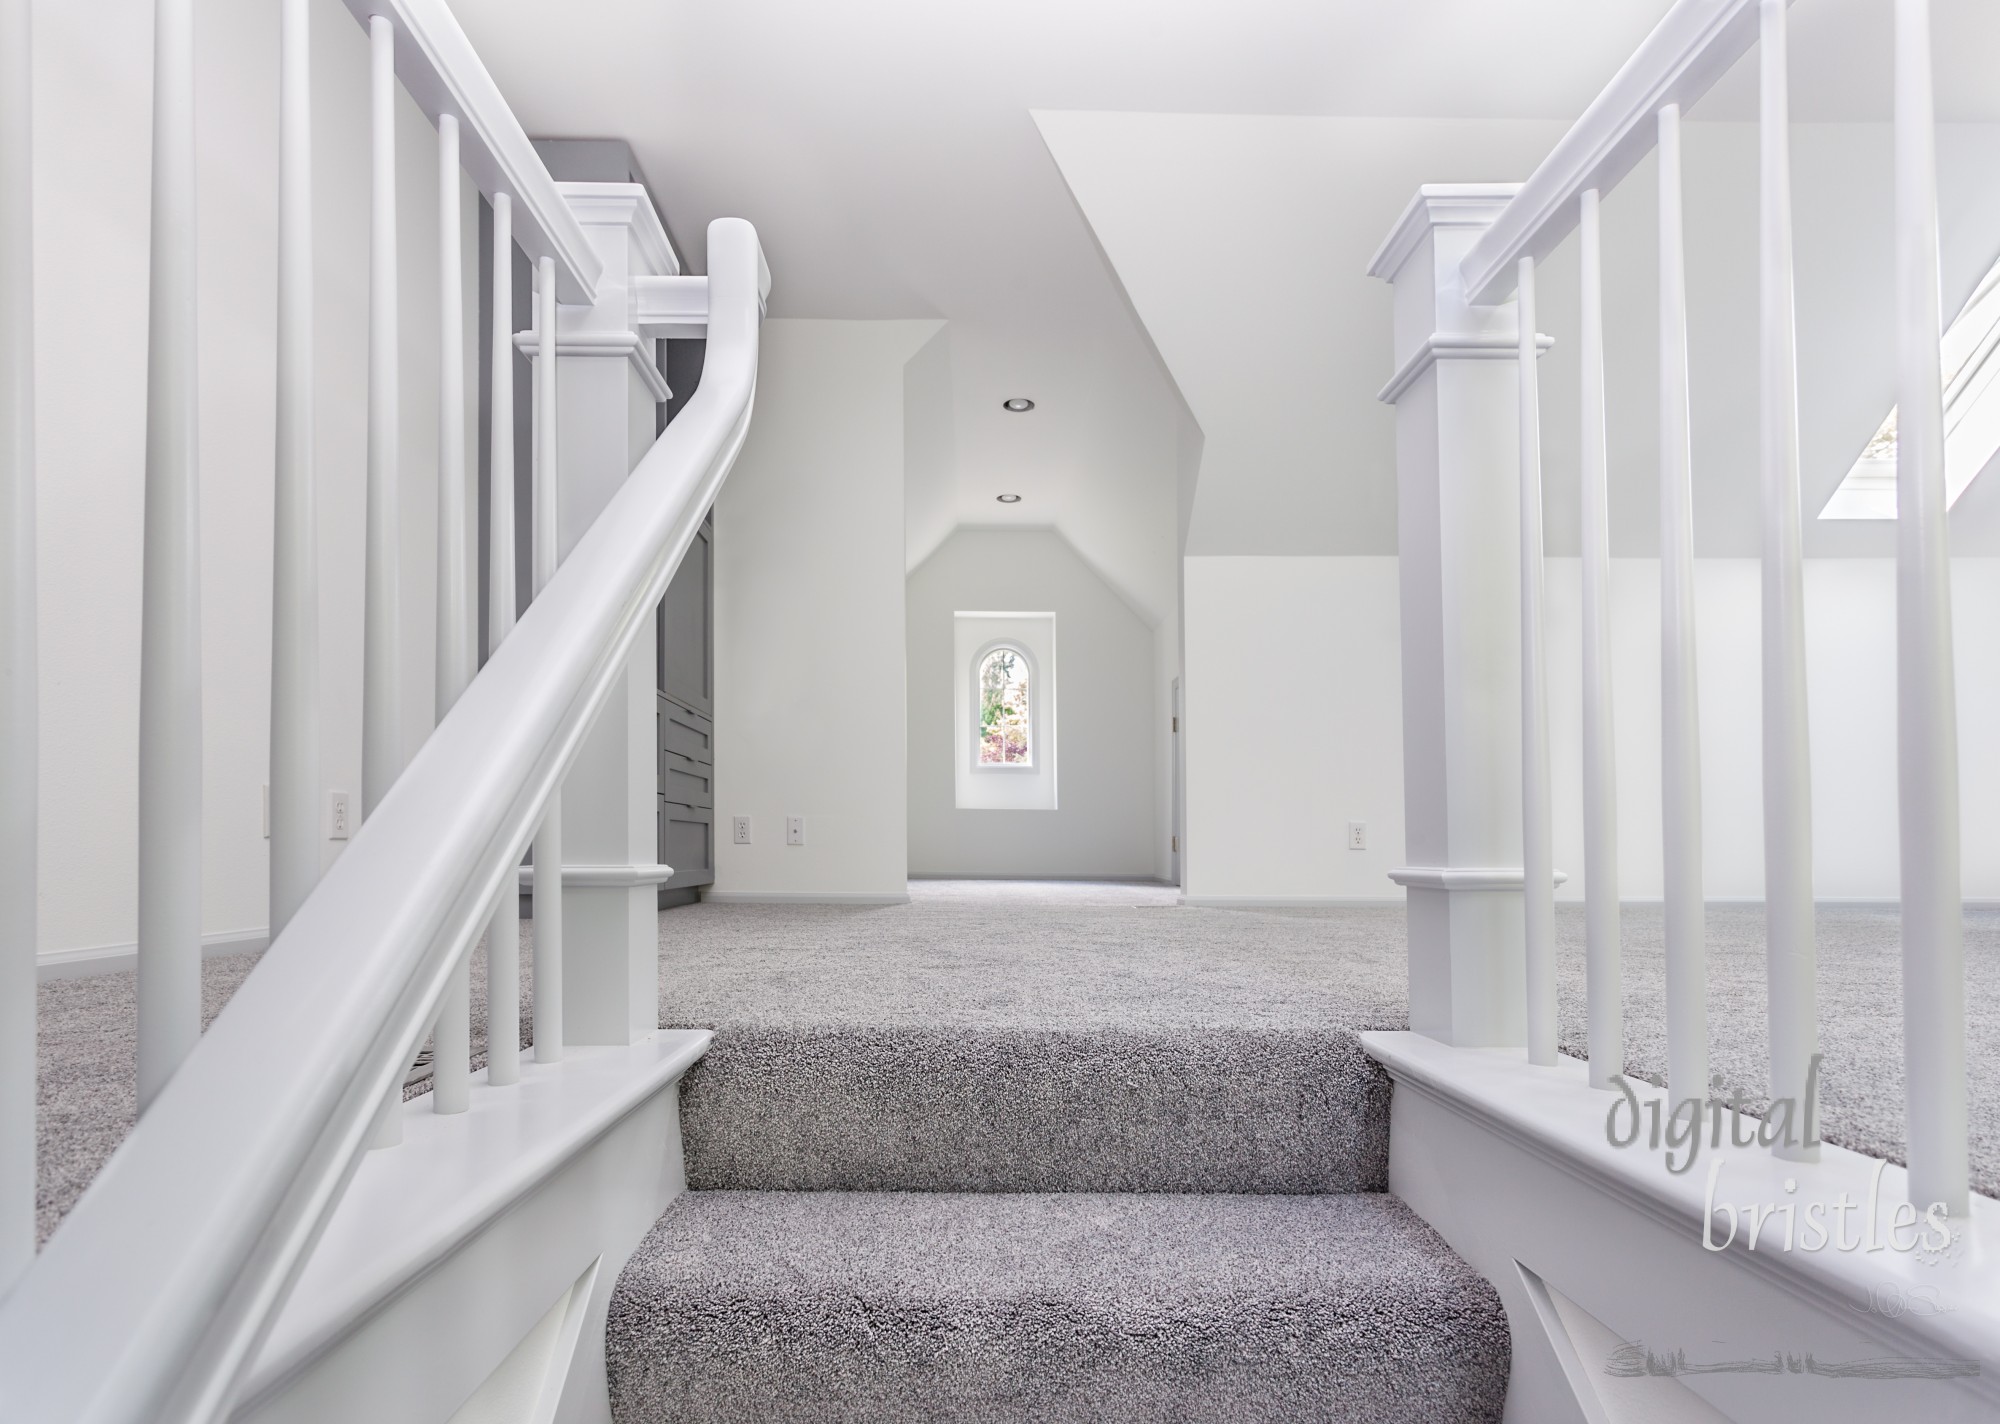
pixel 382 612
pixel 1680 729
pixel 548 840
pixel 1537 834
pixel 503 934
pixel 457 660
pixel 1604 972
pixel 1926 700
pixel 170 620
pixel 381 673
pixel 19 718
pixel 295 833
pixel 1788 890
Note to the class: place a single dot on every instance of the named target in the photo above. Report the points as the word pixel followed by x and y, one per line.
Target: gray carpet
pixel 770 1308
pixel 87 1094
pixel 1001 956
pixel 972 1042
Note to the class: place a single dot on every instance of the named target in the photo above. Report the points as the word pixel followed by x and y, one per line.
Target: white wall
pixel 1851 676
pixel 1294 727
pixel 809 682
pixel 1108 818
pixel 93 85
pixel 1289 738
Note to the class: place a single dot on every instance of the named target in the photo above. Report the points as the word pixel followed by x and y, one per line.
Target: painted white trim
pixel 1455 877
pixel 1692 47
pixel 605 877
pixel 629 344
pixel 443 74
pixel 1436 205
pixel 1285 902
pixel 624 205
pixel 420 1212
pixel 1456 346
pixel 1557 1121
pixel 801 897
pixel 92 960
pixel 669 307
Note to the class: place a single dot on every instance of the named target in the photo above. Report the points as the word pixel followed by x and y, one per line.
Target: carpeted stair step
pixel 975 1108
pixel 915 1308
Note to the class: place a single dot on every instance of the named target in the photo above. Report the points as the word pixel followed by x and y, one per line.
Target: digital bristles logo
pixel 1811 1225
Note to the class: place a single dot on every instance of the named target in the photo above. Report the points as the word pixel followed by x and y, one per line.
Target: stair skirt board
pixel 894 1308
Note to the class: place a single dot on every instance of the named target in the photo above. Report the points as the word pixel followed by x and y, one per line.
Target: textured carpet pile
pixel 895 1308
pixel 1020 1152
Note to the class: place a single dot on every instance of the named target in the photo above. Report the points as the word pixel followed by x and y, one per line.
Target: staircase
pixel 1093 1174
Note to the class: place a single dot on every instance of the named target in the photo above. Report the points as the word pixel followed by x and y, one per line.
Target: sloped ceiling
pixel 887 153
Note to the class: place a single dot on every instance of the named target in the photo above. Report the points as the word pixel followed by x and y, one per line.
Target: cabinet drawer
pixel 686 733
pixel 684 782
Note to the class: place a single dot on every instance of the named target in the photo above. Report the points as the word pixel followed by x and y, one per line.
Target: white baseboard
pixel 986 877
pixel 1291 902
pixel 801 897
pixel 111 958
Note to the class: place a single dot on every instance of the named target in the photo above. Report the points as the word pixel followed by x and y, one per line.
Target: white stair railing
pixel 150 1301
pixel 1694 45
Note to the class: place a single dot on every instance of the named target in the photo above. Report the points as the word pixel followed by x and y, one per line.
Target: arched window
pixel 1006 737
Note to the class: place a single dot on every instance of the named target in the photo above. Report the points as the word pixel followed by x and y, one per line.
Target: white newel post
pixel 608 392
pixel 1456 392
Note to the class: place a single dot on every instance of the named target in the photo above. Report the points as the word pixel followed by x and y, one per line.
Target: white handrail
pixel 443 74
pixel 156 1290
pixel 1694 45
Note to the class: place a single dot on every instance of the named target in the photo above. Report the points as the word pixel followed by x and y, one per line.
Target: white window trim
pixel 1970 361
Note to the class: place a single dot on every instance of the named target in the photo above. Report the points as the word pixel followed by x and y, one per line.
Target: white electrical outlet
pixel 1357 835
pixel 740 828
pixel 795 830
pixel 339 816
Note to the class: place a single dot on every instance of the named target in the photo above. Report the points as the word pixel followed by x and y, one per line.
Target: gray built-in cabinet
pixel 686 722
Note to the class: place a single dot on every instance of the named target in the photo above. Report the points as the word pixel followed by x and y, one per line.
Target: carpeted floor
pixel 1051 958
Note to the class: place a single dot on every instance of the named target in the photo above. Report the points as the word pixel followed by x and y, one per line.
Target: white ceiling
pixel 886 152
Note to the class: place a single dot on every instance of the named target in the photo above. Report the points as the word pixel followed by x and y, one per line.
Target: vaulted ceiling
pixel 887 152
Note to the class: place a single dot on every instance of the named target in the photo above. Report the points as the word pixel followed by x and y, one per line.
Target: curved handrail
pixel 149 1303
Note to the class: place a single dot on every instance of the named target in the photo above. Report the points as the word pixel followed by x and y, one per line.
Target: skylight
pixel 1971 352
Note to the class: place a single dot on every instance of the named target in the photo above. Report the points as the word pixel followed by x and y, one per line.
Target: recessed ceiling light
pixel 1017 404
pixel 1008 498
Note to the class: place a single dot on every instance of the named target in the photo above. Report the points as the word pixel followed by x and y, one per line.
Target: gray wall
pixel 1109 813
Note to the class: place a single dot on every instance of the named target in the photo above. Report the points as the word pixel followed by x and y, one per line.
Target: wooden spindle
pixel 381 671
pixel 1926 696
pixel 451 1080
pixel 169 946
pixel 382 599
pixel 295 790
pixel 1537 831
pixel 1788 890
pixel 1603 967
pixel 547 551
pixel 503 934
pixel 19 715
pixel 1680 725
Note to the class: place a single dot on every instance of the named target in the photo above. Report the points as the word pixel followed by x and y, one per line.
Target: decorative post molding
pixel 1456 393
pixel 608 390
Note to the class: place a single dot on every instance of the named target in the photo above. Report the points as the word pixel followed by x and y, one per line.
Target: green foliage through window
pixel 1003 709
